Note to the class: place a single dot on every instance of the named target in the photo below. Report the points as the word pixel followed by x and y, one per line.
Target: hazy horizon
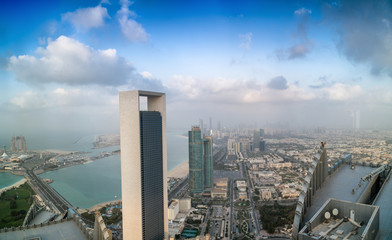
pixel 296 64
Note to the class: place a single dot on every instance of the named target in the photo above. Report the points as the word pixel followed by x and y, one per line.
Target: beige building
pixel 143 175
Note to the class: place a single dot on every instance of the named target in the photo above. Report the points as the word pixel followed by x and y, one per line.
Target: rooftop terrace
pixel 339 185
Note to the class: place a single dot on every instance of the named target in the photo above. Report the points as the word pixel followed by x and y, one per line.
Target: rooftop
pixel 64 230
pixel 385 203
pixel 339 185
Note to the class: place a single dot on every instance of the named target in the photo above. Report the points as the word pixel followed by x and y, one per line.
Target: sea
pixel 98 181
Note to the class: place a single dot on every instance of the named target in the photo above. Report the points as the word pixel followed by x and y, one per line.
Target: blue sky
pixel 299 63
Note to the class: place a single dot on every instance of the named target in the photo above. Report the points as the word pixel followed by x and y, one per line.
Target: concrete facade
pixel 131 174
pixel 364 225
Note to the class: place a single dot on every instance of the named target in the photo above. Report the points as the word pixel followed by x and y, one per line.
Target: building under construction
pixel 18 144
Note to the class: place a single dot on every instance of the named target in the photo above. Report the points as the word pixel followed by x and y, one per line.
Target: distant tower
pixel 210 123
pixel 261 132
pixel 219 126
pixel 256 141
pixel 22 144
pixel 14 144
pixel 357 120
pixel 201 125
pixel 144 166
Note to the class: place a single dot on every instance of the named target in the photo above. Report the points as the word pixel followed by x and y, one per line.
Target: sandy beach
pixel 17 184
pixel 179 171
pixel 99 206
pixel 54 151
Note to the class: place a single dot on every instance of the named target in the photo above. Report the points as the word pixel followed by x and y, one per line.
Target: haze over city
pixel 297 64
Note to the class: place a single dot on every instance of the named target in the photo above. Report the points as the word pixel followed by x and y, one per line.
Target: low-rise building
pixel 241 185
pixel 219 193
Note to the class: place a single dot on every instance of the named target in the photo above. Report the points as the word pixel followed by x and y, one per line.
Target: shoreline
pixel 57 151
pixel 98 206
pixel 17 184
pixel 180 171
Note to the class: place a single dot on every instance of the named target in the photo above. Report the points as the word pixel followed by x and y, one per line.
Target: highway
pixel 173 193
pixel 231 209
pixel 47 193
pixel 255 220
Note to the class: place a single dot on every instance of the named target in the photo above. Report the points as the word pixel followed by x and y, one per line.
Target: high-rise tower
pixel 200 161
pixel 208 163
pixel 196 163
pixel 143 165
pixel 256 141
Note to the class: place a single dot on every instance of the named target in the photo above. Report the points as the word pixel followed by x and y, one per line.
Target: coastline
pixel 17 184
pixel 58 151
pixel 98 206
pixel 180 171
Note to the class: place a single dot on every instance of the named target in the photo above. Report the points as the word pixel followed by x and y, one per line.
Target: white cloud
pixel 342 92
pixel 64 98
pixel 246 40
pixel 69 61
pixel 146 75
pixel 30 100
pixel 131 29
pixel 302 11
pixel 86 18
pixel 236 91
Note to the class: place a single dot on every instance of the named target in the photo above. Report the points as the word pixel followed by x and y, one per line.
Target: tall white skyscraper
pixel 143 166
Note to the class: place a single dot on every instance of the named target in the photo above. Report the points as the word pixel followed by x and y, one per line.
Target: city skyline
pixel 63 63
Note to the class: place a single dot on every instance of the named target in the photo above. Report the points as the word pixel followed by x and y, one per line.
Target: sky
pixel 293 64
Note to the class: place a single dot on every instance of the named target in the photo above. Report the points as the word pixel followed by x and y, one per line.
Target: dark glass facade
pixel 200 161
pixel 196 163
pixel 152 175
pixel 208 163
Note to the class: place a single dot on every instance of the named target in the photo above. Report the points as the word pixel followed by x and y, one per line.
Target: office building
pixel 143 165
pixel 208 162
pixel 200 161
pixel 256 141
pixel 196 163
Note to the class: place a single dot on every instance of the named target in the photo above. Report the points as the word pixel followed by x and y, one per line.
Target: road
pixel 173 193
pixel 47 193
pixel 255 218
pixel 231 208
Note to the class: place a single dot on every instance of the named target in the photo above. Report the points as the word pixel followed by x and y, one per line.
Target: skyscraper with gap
pixel 143 165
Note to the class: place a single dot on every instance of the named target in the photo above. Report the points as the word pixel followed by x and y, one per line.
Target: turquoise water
pixel 99 181
pixel 7 179
pixel 89 184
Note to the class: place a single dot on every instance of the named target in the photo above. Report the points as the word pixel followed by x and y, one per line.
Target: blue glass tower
pixel 196 163
pixel 200 161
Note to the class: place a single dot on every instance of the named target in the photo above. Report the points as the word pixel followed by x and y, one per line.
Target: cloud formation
pixel 131 29
pixel 302 11
pixel 342 92
pixel 246 40
pixel 69 61
pixel 230 91
pixel 279 83
pixel 86 18
pixel 304 45
pixel 63 97
pixel 365 31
